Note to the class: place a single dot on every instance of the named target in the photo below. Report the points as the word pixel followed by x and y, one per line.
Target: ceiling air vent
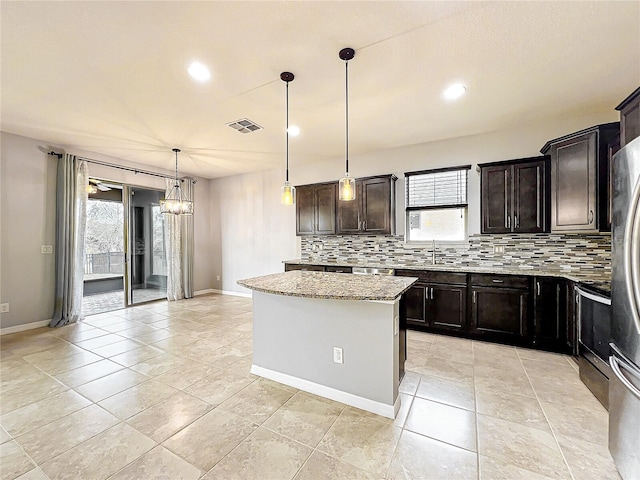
pixel 244 125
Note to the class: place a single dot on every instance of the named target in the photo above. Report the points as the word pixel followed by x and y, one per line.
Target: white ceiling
pixel 110 77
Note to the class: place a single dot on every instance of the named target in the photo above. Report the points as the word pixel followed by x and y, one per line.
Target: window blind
pixel 437 188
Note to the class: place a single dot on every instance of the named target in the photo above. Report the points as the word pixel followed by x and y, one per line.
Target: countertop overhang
pixel 336 286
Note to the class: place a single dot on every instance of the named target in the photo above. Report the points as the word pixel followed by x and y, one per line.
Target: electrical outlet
pixel 498 249
pixel 217 278
pixel 376 247
pixel 4 308
pixel 337 355
pixel 396 325
pixel 47 248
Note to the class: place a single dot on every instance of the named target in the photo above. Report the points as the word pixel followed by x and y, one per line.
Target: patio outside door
pixel 146 249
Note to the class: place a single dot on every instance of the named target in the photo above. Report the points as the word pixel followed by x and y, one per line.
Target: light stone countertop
pixel 336 286
pixel 598 280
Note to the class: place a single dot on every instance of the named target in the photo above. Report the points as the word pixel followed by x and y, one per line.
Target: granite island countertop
pixel 599 281
pixel 336 286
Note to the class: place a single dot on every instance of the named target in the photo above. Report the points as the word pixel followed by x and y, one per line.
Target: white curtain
pixel 179 240
pixel 71 219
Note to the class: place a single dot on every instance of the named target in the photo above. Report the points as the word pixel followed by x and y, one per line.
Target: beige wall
pixel 255 233
pixel 27 209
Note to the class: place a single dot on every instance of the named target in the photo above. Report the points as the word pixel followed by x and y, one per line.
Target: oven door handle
pixel 595 298
pixel 616 363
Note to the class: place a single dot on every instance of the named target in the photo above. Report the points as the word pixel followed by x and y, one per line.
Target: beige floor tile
pixel 170 416
pixel 16 371
pixel 35 474
pixel 449 352
pixel 100 341
pixel 263 455
pixel 118 326
pixel 226 356
pixel 111 384
pixel 207 440
pixel 361 441
pixel 513 408
pixel 539 355
pixel 445 368
pixel 443 422
pixel 243 367
pixel 537 368
pixel 117 348
pixel 136 399
pixel 218 387
pixel 419 457
pixel 75 336
pixel 524 447
pixel 321 466
pixel 186 375
pixel 405 406
pixel 481 348
pixel 483 359
pixel 175 342
pixel 159 463
pixel 409 383
pixel 42 412
pixel 591 425
pixel 305 418
pixel 21 394
pixel 573 392
pixel 137 355
pixel 505 381
pixel 493 469
pixel 257 402
pixel 159 364
pixel 443 390
pixel 101 456
pixel 588 461
pixel 63 363
pixel 4 436
pixel 155 336
pixel 13 461
pixel 88 373
pixel 57 437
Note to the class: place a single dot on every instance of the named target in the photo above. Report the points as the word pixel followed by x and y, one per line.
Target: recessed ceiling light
pixel 199 72
pixel 294 130
pixel 454 91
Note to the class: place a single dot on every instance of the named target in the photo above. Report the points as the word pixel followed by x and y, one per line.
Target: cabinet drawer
pixel 507 281
pixel 449 278
pixel 338 269
pixel 304 267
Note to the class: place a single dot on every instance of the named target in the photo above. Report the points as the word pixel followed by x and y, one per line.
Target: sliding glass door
pixel 147 260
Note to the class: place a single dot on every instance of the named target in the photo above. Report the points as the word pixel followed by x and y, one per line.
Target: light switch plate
pixel 498 249
pixel 4 308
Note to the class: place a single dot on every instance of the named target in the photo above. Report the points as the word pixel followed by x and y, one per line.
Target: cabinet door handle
pixel 538 287
pixel 515 221
pixel 364 225
pixel 590 216
pixel 431 293
pixel 497 281
pixel 474 296
pixel 426 293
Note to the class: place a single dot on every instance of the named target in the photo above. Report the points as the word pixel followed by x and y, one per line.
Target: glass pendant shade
pixel 176 203
pixel 347 188
pixel 288 194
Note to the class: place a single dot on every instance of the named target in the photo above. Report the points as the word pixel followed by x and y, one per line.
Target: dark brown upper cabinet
pixel 629 117
pixel 580 190
pixel 515 196
pixel 316 209
pixel 373 211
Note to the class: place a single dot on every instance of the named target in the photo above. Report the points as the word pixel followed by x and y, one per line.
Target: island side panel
pixel 295 336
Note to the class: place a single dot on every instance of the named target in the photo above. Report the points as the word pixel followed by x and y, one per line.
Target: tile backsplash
pixel 552 251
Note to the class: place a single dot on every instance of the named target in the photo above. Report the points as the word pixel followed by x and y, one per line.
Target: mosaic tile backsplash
pixel 552 252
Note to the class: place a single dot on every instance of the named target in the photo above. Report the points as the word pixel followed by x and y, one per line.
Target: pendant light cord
pixel 346 95
pixel 287 171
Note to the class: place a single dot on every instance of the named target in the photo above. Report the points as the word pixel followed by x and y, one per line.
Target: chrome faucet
pixel 433 253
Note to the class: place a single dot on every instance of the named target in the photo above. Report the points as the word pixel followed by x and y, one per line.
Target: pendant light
pixel 176 202
pixel 347 187
pixel 287 192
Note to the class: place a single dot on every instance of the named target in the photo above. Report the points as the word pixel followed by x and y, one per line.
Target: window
pixel 436 204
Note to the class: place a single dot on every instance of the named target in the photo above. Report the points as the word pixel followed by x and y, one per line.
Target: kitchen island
pixel 331 334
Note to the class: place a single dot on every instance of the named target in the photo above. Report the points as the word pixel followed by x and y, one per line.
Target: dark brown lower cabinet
pixel 500 307
pixel 306 268
pixel 413 310
pixel 552 329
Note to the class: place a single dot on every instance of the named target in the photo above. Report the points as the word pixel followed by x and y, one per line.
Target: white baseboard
pixel 235 294
pixel 206 291
pixel 389 411
pixel 22 328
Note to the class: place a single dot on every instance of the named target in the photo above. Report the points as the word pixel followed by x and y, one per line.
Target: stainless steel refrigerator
pixel 624 384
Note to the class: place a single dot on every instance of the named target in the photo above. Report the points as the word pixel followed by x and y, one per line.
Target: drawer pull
pixel 497 281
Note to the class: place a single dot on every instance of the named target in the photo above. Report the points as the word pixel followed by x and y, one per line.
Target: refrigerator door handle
pixel 615 364
pixel 632 256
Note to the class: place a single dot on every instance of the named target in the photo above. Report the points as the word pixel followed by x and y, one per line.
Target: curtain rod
pixel 113 165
